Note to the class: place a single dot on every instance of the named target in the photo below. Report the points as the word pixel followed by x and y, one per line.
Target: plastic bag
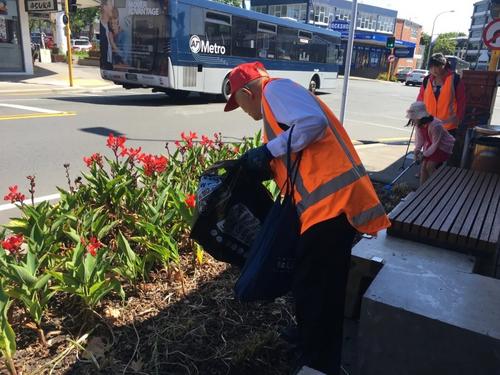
pixel 230 211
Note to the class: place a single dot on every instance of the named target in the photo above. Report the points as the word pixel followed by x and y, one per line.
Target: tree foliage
pixel 83 18
pixel 445 43
pixel 236 3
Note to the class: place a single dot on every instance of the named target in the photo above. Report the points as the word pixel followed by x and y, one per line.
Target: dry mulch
pixel 172 324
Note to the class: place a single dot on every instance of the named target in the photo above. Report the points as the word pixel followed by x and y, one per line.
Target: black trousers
pixel 322 268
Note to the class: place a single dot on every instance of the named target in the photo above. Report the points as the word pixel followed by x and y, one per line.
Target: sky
pixel 424 11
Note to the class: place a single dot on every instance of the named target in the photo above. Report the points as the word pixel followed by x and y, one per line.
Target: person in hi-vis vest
pixel 333 196
pixel 443 93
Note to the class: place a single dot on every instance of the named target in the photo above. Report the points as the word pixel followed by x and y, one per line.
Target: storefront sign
pixel 341 26
pixel 41 6
pixel 406 52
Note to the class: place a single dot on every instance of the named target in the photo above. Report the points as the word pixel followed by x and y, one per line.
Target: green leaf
pixel 73 235
pixel 16 224
pixel 24 275
pixel 7 335
pixel 42 281
pixel 106 229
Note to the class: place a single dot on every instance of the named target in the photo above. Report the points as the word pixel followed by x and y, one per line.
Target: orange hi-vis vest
pixel 331 179
pixel 446 105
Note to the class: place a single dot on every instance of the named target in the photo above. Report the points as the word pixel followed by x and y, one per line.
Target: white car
pixel 416 77
pixel 80 45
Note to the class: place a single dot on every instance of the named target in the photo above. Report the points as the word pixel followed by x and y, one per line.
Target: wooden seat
pixel 456 209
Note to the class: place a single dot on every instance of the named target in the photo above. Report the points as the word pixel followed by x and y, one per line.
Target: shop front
pixel 370 56
pixel 15 51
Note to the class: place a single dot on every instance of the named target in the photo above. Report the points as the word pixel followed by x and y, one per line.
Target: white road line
pixel 10 206
pixel 27 108
pixel 379 125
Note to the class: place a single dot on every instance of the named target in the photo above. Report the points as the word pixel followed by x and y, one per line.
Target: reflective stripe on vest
pixel 445 106
pixel 328 195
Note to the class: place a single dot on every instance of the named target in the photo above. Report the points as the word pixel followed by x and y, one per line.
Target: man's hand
pixel 256 162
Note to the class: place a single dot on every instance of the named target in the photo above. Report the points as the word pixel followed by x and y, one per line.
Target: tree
pixel 425 39
pixel 83 18
pixel 236 3
pixel 445 43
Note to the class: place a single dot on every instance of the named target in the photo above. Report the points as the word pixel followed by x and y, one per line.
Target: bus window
pixel 286 47
pixel 266 41
pixel 318 49
pixel 218 30
pixel 243 37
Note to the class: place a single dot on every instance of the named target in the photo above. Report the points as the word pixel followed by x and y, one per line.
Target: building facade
pixel 477 53
pixel 409 31
pixel 15 51
pixel 373 26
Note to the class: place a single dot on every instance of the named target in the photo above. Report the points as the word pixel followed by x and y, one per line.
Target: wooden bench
pixel 456 209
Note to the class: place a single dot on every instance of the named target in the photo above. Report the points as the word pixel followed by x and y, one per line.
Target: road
pixel 39 133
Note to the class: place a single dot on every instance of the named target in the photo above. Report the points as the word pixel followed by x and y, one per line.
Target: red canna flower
pixel 132 153
pixel 205 141
pixel 152 164
pixel 93 159
pixel 190 200
pixel 94 245
pixel 236 150
pixel 14 196
pixel 116 143
pixel 189 138
pixel 13 243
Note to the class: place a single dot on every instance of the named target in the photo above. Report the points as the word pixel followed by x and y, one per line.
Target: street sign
pixel 33 6
pixel 390 58
pixel 406 52
pixel 341 26
pixel 491 34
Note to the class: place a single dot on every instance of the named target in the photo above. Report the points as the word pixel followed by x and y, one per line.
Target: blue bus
pixel 180 46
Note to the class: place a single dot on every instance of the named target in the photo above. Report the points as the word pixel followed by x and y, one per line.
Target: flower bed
pixel 123 220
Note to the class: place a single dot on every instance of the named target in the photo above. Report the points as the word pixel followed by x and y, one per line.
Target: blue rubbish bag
pixel 268 271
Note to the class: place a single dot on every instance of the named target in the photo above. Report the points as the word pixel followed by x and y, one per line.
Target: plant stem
pixel 10 366
pixel 41 335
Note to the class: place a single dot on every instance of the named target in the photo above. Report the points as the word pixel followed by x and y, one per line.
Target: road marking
pixel 397 139
pixel 10 206
pixel 380 125
pixel 28 108
pixel 36 115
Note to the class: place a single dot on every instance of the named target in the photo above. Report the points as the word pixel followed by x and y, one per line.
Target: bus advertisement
pixel 180 46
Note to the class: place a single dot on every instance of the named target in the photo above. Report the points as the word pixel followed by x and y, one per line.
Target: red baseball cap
pixel 239 77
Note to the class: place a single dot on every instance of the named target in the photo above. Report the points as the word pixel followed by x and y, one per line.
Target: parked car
pixel 416 77
pixel 80 45
pixel 402 73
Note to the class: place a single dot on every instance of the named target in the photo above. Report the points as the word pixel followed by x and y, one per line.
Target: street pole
pixel 347 63
pixel 430 39
pixel 68 42
pixel 390 65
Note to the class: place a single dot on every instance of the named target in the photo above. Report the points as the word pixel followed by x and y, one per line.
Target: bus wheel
pixel 314 84
pixel 226 89
pixel 177 94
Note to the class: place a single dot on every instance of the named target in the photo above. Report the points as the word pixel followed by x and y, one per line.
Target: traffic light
pixel 72 6
pixel 390 42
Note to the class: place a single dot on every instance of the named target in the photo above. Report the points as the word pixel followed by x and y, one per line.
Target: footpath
pixel 53 77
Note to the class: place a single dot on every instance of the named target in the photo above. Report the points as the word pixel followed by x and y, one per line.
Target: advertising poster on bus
pixel 133 35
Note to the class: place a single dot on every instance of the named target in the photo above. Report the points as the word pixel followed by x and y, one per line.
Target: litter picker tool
pixel 408 147
pixel 389 186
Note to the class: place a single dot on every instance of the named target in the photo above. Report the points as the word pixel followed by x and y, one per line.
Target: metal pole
pixel 68 42
pixel 347 64
pixel 432 33
pixel 390 65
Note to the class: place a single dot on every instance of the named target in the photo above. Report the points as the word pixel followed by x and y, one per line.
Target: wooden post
pixel 68 42
pixel 495 56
